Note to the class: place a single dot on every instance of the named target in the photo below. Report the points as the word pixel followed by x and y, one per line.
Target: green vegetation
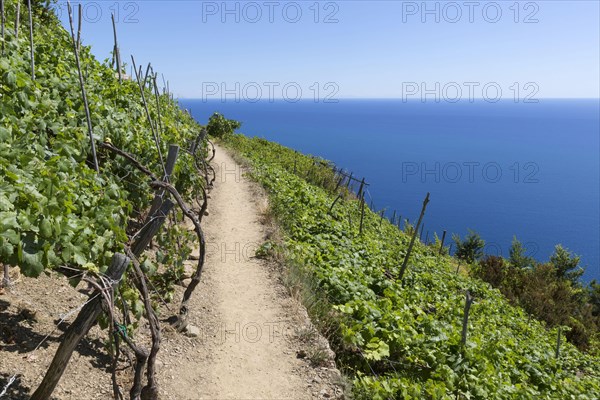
pixel 218 126
pixel 403 339
pixel 470 249
pixel 550 291
pixel 56 212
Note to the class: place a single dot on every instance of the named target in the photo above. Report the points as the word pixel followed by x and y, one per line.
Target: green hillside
pixel 59 212
pixel 54 208
pixel 403 339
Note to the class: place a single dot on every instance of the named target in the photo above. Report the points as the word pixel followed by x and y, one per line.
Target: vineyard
pixel 413 327
pixel 100 171
pixel 97 172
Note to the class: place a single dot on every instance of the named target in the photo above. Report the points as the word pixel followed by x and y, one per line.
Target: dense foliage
pixel 550 291
pixel 55 210
pixel 403 339
pixel 219 126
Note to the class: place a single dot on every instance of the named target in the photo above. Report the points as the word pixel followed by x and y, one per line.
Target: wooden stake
pixel 80 327
pixel 151 227
pixel 31 50
pixel 468 301
pixel 339 196
pixel 116 51
pixel 17 18
pixel 361 188
pixel 442 244
pixel 157 95
pixel 362 212
pixel 6 278
pixel 156 140
pixel 83 93
pixel 349 181
pixel 2 18
pixel 558 336
pixel 148 68
pixel 414 237
pixel 171 159
pixel 79 24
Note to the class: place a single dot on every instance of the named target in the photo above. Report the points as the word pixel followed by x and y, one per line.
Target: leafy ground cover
pixel 403 339
pixel 55 210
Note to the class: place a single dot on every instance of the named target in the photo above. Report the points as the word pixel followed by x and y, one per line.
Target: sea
pixel 503 169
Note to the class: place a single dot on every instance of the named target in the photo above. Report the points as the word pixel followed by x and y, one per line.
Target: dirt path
pixel 246 346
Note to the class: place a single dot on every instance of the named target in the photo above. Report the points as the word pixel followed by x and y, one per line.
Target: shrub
pixel 566 264
pixel 471 249
pixel 219 126
pixel 517 257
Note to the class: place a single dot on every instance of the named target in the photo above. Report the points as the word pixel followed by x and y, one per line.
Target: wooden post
pixel 17 18
pixel 421 234
pixel 156 139
pixel 468 301
pixel 171 160
pixel 349 181
pixel 442 244
pixel 6 277
pixel 393 221
pixel 83 92
pixel 381 214
pixel 147 74
pixel 31 50
pixel 558 336
pixel 116 51
pixel 414 237
pixel 151 227
pixel 362 212
pixel 361 188
pixel 3 22
pixel 339 181
pixel 157 95
pixel 339 196
pixel 80 327
pixel 400 222
pixel 426 237
pixel 79 24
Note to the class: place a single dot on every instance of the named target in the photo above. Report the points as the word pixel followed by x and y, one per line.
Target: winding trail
pixel 242 351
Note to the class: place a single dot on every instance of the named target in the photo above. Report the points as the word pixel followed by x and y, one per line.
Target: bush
pixel 518 259
pixel 471 249
pixel 219 126
pixel 566 264
pixel 492 270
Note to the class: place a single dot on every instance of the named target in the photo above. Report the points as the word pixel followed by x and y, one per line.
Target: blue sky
pixel 364 49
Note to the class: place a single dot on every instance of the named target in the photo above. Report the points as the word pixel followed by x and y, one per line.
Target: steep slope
pixel 402 339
